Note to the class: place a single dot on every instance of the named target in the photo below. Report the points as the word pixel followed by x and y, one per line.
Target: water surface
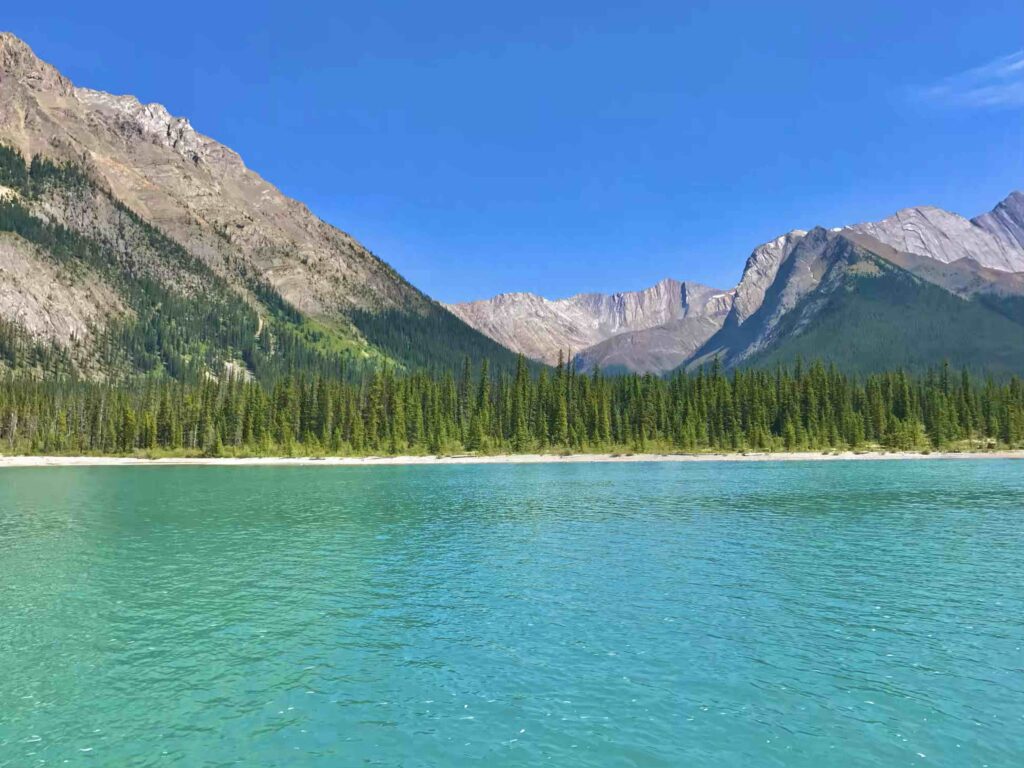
pixel 726 614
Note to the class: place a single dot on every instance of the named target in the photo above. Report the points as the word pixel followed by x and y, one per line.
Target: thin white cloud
pixel 999 83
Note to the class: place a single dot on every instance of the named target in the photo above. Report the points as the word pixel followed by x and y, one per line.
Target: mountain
pixel 932 275
pixel 948 237
pixel 122 220
pixel 132 244
pixel 1006 221
pixel 607 330
pixel 876 316
pixel 917 288
pixel 846 298
pixel 696 316
pixel 776 278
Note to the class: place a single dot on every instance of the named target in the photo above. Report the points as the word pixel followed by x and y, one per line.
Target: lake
pixel 725 614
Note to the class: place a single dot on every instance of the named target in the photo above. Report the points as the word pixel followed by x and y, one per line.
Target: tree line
pixel 800 408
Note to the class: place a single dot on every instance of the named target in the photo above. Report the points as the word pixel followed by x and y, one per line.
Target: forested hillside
pixel 180 318
pixel 881 317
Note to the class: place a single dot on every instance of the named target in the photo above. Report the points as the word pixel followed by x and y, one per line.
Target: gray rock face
pixel 541 328
pixel 654 350
pixel 796 272
pixel 19 63
pixel 48 301
pixel 1006 221
pixel 948 237
pixel 196 190
pixel 666 346
pixel 759 273
pixel 532 325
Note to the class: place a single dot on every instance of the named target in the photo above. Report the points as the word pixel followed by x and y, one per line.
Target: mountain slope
pixel 785 281
pixel 653 350
pixel 876 316
pixel 263 246
pixel 541 328
pixel 964 277
pixel 841 296
pixel 948 237
pixel 663 347
pixel 1006 221
pixel 797 271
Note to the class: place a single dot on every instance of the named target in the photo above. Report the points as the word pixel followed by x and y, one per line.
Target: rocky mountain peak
pixel 19 62
pixel 194 189
pixel 1006 221
pixel 124 116
pixel 542 328
pixel 948 237
pixel 156 124
pixel 759 273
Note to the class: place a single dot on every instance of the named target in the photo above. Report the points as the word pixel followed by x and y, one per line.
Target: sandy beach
pixel 535 458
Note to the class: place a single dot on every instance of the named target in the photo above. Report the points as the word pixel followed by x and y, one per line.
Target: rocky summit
pixel 786 284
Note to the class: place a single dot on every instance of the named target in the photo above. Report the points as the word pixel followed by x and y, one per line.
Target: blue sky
pixel 576 146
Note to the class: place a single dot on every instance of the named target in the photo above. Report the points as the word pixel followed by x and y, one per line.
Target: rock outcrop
pixel 949 237
pixel 50 302
pixel 1006 221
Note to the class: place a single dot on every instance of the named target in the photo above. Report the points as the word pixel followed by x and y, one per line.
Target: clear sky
pixel 576 146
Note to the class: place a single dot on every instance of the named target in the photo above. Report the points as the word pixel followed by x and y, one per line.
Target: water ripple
pixel 800 614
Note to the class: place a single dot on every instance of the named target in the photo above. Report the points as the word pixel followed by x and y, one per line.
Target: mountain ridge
pixel 966 257
pixel 578 322
pixel 265 247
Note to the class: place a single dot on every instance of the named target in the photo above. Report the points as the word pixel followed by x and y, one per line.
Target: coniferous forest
pixel 809 408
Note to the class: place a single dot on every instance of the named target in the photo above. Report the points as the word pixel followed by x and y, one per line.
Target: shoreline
pixel 523 458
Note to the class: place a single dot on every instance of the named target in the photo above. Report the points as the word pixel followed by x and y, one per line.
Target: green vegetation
pixel 381 412
pixel 19 351
pixel 200 365
pixel 890 319
pixel 1008 306
pixel 432 338
pixel 185 318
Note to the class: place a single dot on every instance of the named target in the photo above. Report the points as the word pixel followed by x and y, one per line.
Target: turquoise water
pixel 727 614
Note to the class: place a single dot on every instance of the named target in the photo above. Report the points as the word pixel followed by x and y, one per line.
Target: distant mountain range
pixel 131 244
pixel 919 287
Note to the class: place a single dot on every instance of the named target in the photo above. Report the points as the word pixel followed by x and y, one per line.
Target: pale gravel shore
pixel 534 458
